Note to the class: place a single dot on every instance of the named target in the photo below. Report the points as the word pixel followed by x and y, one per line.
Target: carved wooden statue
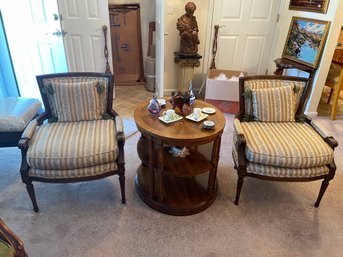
pixel 188 27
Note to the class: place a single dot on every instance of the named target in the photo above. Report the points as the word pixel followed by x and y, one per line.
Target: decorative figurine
pixel 188 28
pixel 181 100
pixel 177 152
pixel 191 94
pixel 154 106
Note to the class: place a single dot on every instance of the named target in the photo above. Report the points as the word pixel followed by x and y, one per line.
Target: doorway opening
pixel 327 103
pixel 8 81
pixel 35 46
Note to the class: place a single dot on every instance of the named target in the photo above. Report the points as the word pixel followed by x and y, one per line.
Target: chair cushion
pixel 285 144
pixel 75 101
pixel 6 250
pixel 74 173
pixel 280 172
pixel 16 112
pixel 72 145
pixel 102 81
pixel 299 87
pixel 283 172
pixel 273 104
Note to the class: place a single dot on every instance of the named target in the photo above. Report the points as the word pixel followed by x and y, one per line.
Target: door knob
pixel 58 33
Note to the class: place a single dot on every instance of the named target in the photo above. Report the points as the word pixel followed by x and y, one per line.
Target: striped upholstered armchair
pixel 274 140
pixel 79 137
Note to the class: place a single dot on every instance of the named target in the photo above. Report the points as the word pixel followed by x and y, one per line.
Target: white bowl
pixel 208 123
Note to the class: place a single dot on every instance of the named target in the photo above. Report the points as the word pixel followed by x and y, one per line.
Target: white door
pixel 82 20
pixel 34 38
pixel 245 40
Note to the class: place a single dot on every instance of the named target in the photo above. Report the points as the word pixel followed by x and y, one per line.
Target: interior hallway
pixel 127 97
pixel 324 108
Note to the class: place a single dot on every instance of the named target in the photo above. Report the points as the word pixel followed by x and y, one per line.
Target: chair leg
pixel 122 186
pixel 329 98
pixel 31 191
pixel 240 181
pixel 322 190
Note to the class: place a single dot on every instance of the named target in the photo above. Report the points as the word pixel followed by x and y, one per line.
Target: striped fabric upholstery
pixel 72 145
pixel 260 84
pixel 237 126
pixel 273 104
pixel 78 101
pixel 102 97
pixel 285 144
pixel 280 172
pixel 74 173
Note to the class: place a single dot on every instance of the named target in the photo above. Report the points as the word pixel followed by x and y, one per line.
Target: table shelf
pixel 182 195
pixel 194 164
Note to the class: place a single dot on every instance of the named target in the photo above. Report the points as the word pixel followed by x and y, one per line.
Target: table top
pixel 179 130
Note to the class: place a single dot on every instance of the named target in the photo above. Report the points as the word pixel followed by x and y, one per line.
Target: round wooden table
pixel 177 185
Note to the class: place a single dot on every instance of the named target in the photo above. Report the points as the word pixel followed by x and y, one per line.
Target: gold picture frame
pixel 306 40
pixel 320 6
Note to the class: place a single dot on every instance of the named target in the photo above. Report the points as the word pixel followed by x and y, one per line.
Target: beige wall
pixel 336 19
pixel 148 14
pixel 172 41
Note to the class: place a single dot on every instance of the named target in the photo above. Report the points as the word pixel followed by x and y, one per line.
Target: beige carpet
pixel 88 219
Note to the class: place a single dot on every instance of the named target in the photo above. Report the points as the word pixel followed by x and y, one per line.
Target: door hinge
pixel 277 18
pixel 61 17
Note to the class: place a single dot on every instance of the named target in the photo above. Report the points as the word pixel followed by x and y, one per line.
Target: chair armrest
pixel 240 143
pixel 119 125
pixel 323 132
pixel 238 127
pixel 27 134
pixel 12 239
pixel 42 117
pixel 320 129
pixel 120 128
pixel 30 129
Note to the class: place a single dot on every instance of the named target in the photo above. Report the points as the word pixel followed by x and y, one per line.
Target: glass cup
pixel 169 114
pixel 197 113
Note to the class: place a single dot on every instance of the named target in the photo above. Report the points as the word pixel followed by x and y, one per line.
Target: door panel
pixel 258 10
pixel 230 43
pixel 245 40
pixel 253 53
pixel 75 53
pixel 84 40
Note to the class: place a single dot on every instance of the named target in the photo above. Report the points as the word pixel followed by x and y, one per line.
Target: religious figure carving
pixel 188 28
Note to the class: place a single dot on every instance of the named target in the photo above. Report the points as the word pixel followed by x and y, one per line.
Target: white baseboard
pixel 311 114
pixel 168 92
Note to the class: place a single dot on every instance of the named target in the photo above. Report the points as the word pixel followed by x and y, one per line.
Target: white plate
pixel 162 101
pixel 177 117
pixel 208 110
pixel 191 117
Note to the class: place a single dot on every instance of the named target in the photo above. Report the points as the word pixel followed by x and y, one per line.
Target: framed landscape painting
pixel 309 5
pixel 305 41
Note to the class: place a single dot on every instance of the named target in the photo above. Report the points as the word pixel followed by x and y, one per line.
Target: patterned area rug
pixel 129 127
pixel 225 106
